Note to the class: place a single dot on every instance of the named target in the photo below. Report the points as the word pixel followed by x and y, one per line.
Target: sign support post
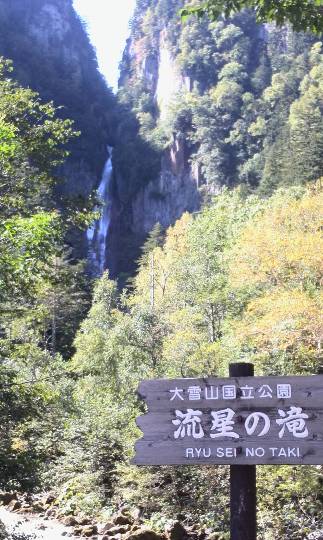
pixel 243 498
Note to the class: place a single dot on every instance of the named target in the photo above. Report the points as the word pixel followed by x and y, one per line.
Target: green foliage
pixel 240 280
pixel 42 295
pixel 32 146
pixel 212 291
pixel 155 238
pixel 302 14
pixel 26 244
pixel 243 113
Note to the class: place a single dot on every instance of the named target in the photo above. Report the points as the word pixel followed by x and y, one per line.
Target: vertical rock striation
pixel 52 54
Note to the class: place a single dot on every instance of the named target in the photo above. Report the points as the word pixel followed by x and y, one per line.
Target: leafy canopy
pixel 302 14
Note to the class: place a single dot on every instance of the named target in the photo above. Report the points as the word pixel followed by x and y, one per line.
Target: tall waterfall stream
pixel 97 234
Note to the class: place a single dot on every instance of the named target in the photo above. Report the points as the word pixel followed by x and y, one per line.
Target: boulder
pixel 50 513
pixel 84 521
pixel 89 530
pixel 121 529
pixel 14 505
pixel 6 497
pixel 175 531
pixel 143 534
pixel 69 521
pixel 47 499
pixel 38 507
pixel 123 519
pixel 105 528
pixel 135 527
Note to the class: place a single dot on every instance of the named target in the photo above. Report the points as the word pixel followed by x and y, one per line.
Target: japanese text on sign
pixel 189 423
pixel 234 420
pixel 230 391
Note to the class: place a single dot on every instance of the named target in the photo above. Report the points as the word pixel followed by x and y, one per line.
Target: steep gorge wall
pixel 52 54
pixel 212 106
pixel 201 106
pixel 151 80
pixel 176 188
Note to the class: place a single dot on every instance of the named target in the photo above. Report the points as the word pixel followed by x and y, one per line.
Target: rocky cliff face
pixel 174 186
pixel 208 110
pixel 167 197
pixel 52 54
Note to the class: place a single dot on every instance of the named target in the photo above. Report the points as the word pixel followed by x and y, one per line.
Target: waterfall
pixel 98 232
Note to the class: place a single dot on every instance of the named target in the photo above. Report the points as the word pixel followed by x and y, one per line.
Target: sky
pixel 108 27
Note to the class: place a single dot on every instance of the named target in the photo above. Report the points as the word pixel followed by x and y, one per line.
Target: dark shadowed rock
pixel 119 529
pixel 49 498
pixel 123 519
pixel 6 497
pixel 77 531
pixel 69 521
pixel 175 531
pixel 14 505
pixel 144 534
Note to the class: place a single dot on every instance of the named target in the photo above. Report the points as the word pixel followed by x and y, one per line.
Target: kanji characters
pixel 194 393
pixel 189 424
pixel 177 393
pixel 265 391
pixel 284 391
pixel 222 424
pixel 211 392
pixel 294 421
pixel 229 391
pixel 247 392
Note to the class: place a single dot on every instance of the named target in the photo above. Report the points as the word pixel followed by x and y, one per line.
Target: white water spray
pixel 97 234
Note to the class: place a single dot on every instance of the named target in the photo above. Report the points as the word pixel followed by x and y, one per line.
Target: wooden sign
pixel 237 421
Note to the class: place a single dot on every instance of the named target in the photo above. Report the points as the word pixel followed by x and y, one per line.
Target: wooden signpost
pixel 241 421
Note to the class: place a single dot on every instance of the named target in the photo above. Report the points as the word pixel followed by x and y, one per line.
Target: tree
pixel 34 300
pixel 63 298
pixel 277 262
pixel 154 239
pixel 306 124
pixel 32 144
pixel 302 14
